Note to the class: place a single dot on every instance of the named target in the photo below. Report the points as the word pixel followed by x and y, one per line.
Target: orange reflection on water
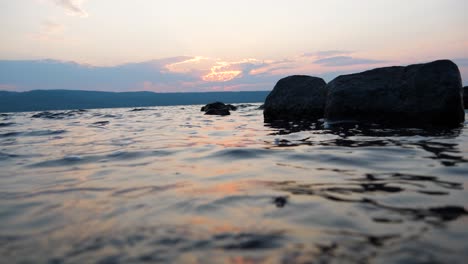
pixel 243 260
pixel 222 188
pixel 214 226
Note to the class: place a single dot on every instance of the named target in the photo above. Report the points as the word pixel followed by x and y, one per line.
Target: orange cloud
pixel 225 71
pixel 220 76
pixel 194 64
pixel 211 69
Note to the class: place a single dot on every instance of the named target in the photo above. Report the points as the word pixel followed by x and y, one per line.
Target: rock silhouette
pixel 296 97
pixel 218 108
pixel 420 94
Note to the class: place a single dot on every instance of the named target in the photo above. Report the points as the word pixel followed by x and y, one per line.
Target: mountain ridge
pixel 43 100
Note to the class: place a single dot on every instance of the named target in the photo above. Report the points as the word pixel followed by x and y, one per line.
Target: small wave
pixel 10 134
pixel 65 161
pixel 21 195
pixel 239 153
pixel 164 244
pixel 100 123
pixel 143 190
pixel 35 133
pixel 115 156
pixel 44 133
pixel 375 185
pixel 6 124
pixel 128 155
pixel 141 109
pixel 59 115
pixel 6 156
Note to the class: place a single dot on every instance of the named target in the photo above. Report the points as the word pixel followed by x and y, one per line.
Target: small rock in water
pixel 280 201
pixel 218 108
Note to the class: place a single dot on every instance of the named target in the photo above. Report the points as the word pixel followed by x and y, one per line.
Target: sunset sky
pixel 204 45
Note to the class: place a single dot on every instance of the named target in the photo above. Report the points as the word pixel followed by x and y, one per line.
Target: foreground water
pixel 169 184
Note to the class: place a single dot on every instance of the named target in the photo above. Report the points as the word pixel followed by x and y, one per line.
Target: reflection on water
pixel 169 184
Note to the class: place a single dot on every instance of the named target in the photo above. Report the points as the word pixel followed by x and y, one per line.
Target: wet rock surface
pixel 465 96
pixel 296 97
pixel 416 95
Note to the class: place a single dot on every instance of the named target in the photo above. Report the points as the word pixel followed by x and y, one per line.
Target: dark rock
pixel 218 108
pixel 417 95
pixel 296 97
pixel 261 107
pixel 280 201
pixel 465 96
pixel 221 112
pixel 215 105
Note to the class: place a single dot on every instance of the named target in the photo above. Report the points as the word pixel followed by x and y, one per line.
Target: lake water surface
pixel 171 185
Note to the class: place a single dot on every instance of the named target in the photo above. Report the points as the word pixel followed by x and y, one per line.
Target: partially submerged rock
pixel 421 94
pixel 296 97
pixel 218 108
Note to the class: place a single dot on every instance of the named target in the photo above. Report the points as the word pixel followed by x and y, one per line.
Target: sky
pixel 216 45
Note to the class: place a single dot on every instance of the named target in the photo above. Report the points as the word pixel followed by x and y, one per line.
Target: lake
pixel 171 185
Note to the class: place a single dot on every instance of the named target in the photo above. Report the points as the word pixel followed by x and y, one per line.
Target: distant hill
pixel 41 100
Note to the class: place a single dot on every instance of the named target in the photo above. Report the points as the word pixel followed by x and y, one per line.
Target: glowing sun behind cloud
pixel 221 73
pixel 211 69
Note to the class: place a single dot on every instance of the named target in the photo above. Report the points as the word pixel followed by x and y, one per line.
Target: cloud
pixel 50 30
pixel 327 53
pixel 175 74
pixel 73 7
pixel 8 87
pixel 269 67
pixel 36 74
pixel 224 71
pixel 339 61
pixel 213 70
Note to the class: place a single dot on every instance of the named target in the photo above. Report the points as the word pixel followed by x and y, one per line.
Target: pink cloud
pixel 72 7
pixel 50 31
pixel 9 87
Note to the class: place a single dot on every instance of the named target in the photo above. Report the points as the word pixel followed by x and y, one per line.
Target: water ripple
pixel 171 185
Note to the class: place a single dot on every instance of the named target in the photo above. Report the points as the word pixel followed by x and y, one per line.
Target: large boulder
pixel 465 96
pixel 422 94
pixel 218 108
pixel 296 97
